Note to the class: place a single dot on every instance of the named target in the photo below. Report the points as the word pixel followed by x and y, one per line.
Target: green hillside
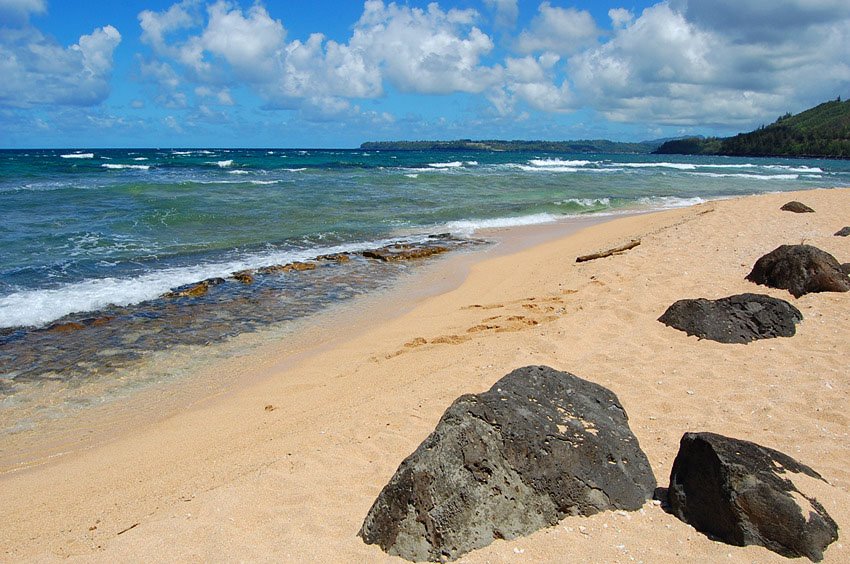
pixel 822 131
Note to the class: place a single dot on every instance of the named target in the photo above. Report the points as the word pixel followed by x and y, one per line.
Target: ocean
pixel 110 255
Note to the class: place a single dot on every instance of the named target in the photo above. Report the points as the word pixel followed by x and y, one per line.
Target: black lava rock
pixel 800 269
pixel 737 319
pixel 797 207
pixel 539 445
pixel 742 493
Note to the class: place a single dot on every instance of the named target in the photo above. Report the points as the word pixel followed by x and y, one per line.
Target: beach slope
pixel 285 468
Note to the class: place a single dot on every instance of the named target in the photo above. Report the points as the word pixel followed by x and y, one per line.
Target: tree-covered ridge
pixel 579 146
pixel 822 131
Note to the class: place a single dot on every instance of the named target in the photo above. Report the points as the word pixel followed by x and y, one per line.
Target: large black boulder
pixel 800 269
pixel 737 319
pixel 742 493
pixel 539 445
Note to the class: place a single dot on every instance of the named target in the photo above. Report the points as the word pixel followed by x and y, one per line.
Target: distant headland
pixel 822 131
pixel 580 146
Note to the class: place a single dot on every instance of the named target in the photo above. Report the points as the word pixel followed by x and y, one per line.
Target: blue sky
pixel 334 73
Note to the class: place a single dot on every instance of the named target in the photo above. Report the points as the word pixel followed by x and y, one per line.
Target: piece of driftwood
pixel 609 252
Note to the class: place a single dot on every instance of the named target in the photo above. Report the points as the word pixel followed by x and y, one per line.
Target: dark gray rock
pixel 843 232
pixel 737 319
pixel 742 493
pixel 800 269
pixel 845 268
pixel 797 207
pixel 539 445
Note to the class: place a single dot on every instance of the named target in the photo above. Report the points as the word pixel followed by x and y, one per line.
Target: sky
pixel 335 73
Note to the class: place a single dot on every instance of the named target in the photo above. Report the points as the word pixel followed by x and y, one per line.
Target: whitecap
pixel 558 163
pixel 78 156
pixel 453 164
pixel 677 166
pixel 412 175
pixel 585 202
pixel 239 171
pixel 125 166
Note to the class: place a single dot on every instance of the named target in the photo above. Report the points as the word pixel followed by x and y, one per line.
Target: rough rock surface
pixel 800 269
pixel 843 232
pixel 737 319
pixel 743 493
pixel 404 251
pixel 539 445
pixel 797 207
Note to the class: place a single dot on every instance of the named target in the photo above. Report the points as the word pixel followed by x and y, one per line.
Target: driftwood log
pixel 615 251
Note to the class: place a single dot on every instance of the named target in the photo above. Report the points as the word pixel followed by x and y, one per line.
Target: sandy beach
pixel 284 465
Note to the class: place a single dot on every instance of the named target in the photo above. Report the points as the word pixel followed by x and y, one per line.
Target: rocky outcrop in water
pixel 288 267
pixel 194 290
pixel 737 319
pixel 539 445
pixel 743 493
pixel 797 207
pixel 399 252
pixel 800 269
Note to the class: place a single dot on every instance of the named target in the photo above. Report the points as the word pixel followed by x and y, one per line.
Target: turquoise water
pixel 103 234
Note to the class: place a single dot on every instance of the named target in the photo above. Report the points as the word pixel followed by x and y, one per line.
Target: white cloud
pixel 425 51
pixel 422 51
pixel 560 30
pixel 36 70
pixel 18 11
pixel 506 12
pixel 620 17
pixel 676 64
pixel 250 44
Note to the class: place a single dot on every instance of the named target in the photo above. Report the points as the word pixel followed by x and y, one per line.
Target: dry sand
pixel 285 466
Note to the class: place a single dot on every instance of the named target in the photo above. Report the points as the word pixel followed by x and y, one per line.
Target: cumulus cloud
pixel 429 50
pixel 678 63
pixel 36 70
pixel 620 17
pixel 425 51
pixel 560 30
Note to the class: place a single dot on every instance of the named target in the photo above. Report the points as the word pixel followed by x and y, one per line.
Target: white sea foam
pixel 264 182
pixel 677 166
pixel 469 227
pixel 412 175
pixel 548 168
pixel 140 159
pixel 295 169
pixel 224 164
pixel 238 171
pixel 78 156
pixel 471 163
pixel 453 164
pixel 669 202
pixel 585 202
pixel 749 176
pixel 557 163
pixel 804 169
pixel 123 166
pixel 39 307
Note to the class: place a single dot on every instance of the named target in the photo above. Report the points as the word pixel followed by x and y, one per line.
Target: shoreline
pixel 151 399
pixel 284 464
